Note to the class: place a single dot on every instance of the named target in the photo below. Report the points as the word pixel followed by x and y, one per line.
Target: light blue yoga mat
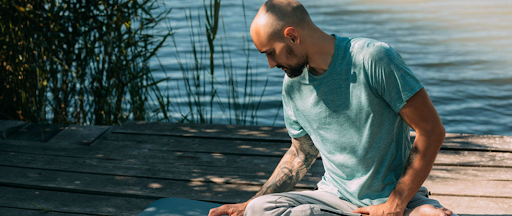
pixel 178 207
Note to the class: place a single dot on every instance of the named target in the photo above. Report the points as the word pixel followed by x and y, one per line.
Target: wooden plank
pixel 205 130
pixel 476 206
pixel 474 158
pixel 482 142
pixel 79 134
pixel 116 185
pixel 195 144
pixel 66 202
pixel 252 155
pixel 7 127
pixel 278 149
pixel 487 188
pixel 221 160
pixel 471 173
pixel 36 132
pixel 278 134
pixel 123 186
pixel 35 212
pixel 445 157
pixel 495 180
pixel 219 174
pixel 454 141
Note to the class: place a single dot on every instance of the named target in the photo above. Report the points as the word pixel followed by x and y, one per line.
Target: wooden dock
pixel 102 170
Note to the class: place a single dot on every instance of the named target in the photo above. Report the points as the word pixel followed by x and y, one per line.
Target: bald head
pixel 276 15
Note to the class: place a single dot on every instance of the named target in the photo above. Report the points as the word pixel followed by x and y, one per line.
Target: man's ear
pixel 291 34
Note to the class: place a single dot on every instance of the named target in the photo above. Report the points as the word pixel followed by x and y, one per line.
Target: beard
pixel 296 69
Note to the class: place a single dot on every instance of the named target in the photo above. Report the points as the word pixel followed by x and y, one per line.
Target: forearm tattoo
pixel 412 156
pixel 293 166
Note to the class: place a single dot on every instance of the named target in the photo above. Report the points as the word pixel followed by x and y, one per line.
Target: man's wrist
pixel 398 200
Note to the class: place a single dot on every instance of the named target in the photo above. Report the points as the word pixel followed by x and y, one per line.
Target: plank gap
pixel 475 149
pixel 78 191
pixel 52 211
pixel 118 131
pixel 470 195
pixel 472 165
pixel 153 178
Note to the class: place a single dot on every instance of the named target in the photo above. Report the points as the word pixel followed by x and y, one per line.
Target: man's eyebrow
pixel 265 51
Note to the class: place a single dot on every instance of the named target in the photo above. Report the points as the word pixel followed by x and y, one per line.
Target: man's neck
pixel 320 53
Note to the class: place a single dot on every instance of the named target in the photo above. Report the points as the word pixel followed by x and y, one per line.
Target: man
pixel 353 101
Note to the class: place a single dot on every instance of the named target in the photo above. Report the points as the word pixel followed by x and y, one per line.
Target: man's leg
pixel 420 204
pixel 298 204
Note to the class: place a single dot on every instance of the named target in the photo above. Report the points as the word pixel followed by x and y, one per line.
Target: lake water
pixel 460 50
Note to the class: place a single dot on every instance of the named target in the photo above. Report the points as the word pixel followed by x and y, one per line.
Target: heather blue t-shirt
pixel 351 114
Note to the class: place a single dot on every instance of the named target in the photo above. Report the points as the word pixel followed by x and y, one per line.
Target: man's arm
pixel 419 113
pixel 293 166
pixel 290 170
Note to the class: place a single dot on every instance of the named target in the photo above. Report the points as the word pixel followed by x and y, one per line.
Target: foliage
pixel 86 62
pixel 239 104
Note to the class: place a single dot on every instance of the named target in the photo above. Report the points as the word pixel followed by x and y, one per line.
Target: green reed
pixel 88 62
pixel 200 81
pixel 85 62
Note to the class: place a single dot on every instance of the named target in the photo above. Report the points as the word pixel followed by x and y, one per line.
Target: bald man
pixel 353 101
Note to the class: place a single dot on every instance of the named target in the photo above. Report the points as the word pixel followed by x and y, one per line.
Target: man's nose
pixel 271 63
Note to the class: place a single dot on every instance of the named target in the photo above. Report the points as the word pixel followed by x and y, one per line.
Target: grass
pixel 71 62
pixel 82 63
pixel 201 82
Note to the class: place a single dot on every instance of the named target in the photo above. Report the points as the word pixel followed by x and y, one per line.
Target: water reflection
pixel 459 49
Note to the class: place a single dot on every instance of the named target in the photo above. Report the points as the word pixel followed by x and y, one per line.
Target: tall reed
pixel 84 62
pixel 201 83
pixel 88 62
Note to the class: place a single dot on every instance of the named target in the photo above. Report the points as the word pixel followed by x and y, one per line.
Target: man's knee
pixel 260 205
pixel 430 210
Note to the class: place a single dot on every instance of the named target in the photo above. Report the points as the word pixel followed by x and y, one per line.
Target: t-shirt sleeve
pixel 390 77
pixel 295 130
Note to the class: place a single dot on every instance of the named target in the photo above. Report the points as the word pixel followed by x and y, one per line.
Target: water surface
pixel 459 49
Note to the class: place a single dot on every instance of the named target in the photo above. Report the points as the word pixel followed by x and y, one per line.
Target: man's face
pixel 282 55
pixel 296 63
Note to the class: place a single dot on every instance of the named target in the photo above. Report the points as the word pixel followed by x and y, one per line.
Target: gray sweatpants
pixel 316 202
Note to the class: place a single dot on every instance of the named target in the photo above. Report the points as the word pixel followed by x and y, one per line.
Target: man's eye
pixel 270 53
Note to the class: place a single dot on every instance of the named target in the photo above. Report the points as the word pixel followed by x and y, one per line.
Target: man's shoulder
pixel 367 50
pixel 368 46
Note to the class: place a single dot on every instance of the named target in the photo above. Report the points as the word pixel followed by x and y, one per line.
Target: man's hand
pixel 229 209
pixel 383 209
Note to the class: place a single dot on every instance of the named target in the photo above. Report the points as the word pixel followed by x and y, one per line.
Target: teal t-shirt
pixel 351 114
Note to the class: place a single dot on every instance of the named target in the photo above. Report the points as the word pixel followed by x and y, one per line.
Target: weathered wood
pixel 36 132
pixel 197 144
pixel 483 142
pixel 216 159
pixel 476 206
pixel 116 185
pixel 494 180
pixel 248 156
pixel 222 163
pixel 474 158
pixel 36 212
pixel 471 173
pixel 452 141
pixel 475 142
pixel 278 149
pixel 469 187
pixel 7 127
pixel 219 174
pixel 123 186
pixel 79 134
pixel 205 130
pixel 66 202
